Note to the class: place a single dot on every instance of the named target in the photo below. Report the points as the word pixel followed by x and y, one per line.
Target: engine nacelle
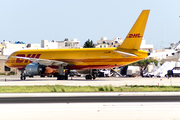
pixel 34 69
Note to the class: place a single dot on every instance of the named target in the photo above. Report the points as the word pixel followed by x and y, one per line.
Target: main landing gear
pixel 23 75
pixel 63 75
pixel 92 75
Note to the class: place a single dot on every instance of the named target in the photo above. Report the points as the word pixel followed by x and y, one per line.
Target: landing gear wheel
pixel 31 76
pixel 60 77
pixel 94 77
pixel 88 77
pixel 23 77
pixel 66 77
pixel 42 75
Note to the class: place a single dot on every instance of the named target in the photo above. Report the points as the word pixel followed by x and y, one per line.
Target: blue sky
pixel 33 20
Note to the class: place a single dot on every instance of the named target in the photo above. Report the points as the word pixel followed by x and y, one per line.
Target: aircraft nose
pixel 6 62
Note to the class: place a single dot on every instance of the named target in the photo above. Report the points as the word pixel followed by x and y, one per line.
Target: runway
pixel 89 99
pixel 91 111
pixel 85 106
pixel 90 106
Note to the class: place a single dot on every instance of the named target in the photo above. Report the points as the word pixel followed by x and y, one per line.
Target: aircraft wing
pixel 125 54
pixel 43 61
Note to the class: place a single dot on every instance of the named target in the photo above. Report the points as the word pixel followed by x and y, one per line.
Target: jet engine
pixel 35 69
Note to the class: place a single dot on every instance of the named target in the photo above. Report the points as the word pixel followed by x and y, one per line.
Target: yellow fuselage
pixel 86 58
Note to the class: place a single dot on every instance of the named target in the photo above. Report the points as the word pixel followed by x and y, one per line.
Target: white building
pixel 15 46
pixel 49 44
pixel 33 46
pixel 104 43
pixel 74 43
pixel 7 48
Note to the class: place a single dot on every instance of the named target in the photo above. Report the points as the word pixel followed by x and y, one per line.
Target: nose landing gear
pixel 23 75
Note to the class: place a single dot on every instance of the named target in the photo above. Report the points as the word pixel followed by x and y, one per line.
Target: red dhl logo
pixel 134 36
pixel 18 60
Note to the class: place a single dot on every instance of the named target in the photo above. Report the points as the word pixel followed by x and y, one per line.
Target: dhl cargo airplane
pixel 40 61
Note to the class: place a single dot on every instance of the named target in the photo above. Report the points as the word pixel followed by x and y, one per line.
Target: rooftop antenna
pixel 150 40
pixel 42 36
pixel 165 35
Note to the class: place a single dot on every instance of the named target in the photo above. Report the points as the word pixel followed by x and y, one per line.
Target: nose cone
pixel 8 61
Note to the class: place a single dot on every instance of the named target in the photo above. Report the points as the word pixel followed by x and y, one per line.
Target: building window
pixel 66 44
pixel 7 68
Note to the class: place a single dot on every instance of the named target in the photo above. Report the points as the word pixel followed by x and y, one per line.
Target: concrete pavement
pixel 89 111
pixel 80 81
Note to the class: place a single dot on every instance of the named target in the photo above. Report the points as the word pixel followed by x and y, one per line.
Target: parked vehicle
pixel 133 71
pixel 173 73
pixel 104 73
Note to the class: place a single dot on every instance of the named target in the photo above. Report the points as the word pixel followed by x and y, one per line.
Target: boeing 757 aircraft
pixel 40 61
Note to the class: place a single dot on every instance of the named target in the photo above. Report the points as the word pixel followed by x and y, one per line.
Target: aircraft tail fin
pixel 135 35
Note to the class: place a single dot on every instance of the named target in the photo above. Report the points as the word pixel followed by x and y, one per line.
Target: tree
pixel 89 44
pixel 143 63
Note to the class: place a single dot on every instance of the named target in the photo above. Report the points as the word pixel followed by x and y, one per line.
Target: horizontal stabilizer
pixel 125 54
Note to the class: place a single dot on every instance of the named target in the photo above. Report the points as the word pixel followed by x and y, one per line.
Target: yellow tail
pixel 134 37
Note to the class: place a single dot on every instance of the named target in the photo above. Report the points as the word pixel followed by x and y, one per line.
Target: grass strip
pixel 108 88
